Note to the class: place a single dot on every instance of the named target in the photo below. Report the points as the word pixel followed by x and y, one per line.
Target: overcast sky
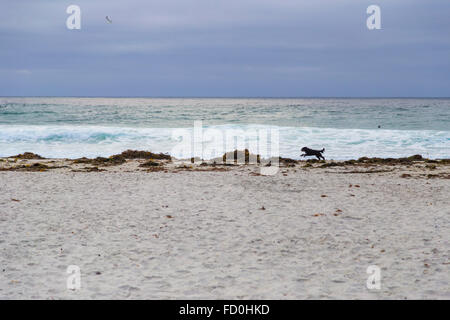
pixel 282 48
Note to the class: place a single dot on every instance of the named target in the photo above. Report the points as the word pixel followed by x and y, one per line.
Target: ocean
pixel 346 128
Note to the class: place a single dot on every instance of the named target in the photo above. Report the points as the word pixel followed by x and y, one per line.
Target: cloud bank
pixel 225 48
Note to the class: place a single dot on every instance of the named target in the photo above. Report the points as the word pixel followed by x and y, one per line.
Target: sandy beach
pixel 225 150
pixel 175 230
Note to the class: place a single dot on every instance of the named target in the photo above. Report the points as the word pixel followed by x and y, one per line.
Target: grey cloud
pixel 225 48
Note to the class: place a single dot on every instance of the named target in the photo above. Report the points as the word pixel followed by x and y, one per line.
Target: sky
pixel 218 48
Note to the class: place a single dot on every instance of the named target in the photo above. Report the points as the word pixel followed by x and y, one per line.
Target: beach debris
pixel 241 157
pixel 89 169
pixel 357 186
pixel 318 214
pixel 288 162
pixel 332 164
pixel 440 176
pixel 262 208
pixel 169 216
pixel 101 161
pixel 315 161
pixel 365 171
pixel 28 156
pixel 404 160
pixel 93 169
pixel 323 196
pixel 405 175
pixel 192 168
pixel 15 200
pixel 365 162
pixel 213 169
pixel 156 169
pixel 98 273
pixel 444 161
pixel 150 163
pixel 338 164
pixel 35 167
pixel 119 159
pixel 135 154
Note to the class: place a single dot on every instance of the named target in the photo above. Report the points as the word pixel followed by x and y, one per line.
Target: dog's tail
pixel 322 150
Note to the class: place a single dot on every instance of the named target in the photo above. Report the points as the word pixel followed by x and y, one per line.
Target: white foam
pixel 339 144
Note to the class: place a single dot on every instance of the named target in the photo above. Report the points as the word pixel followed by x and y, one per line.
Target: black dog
pixel 310 152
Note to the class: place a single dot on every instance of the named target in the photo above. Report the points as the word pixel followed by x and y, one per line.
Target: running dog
pixel 310 152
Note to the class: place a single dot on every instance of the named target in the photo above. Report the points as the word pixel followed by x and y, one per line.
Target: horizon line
pixel 236 97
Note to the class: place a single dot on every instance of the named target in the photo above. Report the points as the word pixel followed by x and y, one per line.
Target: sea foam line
pixel 77 141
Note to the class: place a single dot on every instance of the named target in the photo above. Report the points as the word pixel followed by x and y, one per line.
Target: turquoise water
pixel 346 128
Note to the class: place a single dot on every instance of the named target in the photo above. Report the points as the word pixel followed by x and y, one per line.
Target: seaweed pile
pixel 241 157
pixel 135 154
pixel 101 161
pixel 35 167
pixel 119 159
pixel 28 156
pixel 365 161
pixel 149 163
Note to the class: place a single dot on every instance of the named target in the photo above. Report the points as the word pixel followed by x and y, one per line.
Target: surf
pixel 341 144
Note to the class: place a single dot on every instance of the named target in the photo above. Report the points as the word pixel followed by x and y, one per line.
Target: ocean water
pixel 346 128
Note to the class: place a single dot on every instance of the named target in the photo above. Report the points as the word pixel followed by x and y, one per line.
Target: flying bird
pixel 108 19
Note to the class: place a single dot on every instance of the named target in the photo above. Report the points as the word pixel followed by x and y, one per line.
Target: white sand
pixel 219 243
